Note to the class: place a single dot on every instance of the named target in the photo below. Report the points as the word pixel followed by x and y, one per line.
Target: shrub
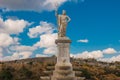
pixel 5 75
pixel 26 73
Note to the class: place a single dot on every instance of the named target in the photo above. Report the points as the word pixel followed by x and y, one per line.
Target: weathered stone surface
pixel 80 78
pixel 50 68
pixel 63 68
pixel 62 21
pixel 65 78
pixel 48 72
pixel 45 78
pixel 63 40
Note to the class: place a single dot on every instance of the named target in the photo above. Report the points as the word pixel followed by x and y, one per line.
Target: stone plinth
pixel 63 67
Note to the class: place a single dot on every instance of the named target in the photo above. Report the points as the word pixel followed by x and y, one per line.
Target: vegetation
pixel 32 70
pixel 6 74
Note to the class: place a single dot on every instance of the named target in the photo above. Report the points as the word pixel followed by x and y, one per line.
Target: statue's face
pixel 64 12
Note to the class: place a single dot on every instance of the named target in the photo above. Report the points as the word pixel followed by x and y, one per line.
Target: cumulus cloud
pixel 19 52
pixel 1 55
pixel 6 43
pixel 50 50
pixel 16 40
pixel 7 28
pixel 5 40
pixel 47 37
pixel 1 49
pixel 15 56
pixel 109 51
pixel 30 5
pixel 41 55
pixel 83 41
pixel 16 52
pixel 99 55
pixel 43 28
pixel 33 5
pixel 20 48
pixel 25 54
pixel 12 26
pixel 112 59
pixel 46 40
pixel 25 48
pixel 94 54
pixel 1 52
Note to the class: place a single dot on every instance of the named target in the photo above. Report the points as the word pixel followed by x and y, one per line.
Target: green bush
pixel 5 75
pixel 26 73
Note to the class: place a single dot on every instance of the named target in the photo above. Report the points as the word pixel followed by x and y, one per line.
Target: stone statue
pixel 62 21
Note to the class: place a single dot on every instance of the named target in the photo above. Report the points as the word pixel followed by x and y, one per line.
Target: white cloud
pixel 12 26
pixel 18 52
pixel 16 40
pixel 1 49
pixel 44 27
pixel 30 5
pixel 115 58
pixel 47 37
pixel 7 28
pixel 73 55
pixel 109 51
pixel 16 56
pixel 47 40
pixel 50 50
pixel 41 55
pixel 112 59
pixel 24 48
pixel 10 49
pixel 1 52
pixel 99 55
pixel 25 54
pixel 14 50
pixel 83 41
pixel 5 40
pixel 94 54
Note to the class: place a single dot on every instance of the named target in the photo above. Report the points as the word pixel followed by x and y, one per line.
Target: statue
pixel 62 21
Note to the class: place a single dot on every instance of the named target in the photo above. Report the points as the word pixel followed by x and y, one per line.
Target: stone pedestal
pixel 63 67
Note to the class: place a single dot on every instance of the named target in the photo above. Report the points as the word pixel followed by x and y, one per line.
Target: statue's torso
pixel 63 18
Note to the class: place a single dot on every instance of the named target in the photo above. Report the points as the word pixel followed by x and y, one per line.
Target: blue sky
pixel 94 28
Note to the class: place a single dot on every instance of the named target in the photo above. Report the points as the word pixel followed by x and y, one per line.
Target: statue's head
pixel 64 12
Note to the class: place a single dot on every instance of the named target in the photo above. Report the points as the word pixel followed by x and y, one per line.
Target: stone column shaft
pixel 63 67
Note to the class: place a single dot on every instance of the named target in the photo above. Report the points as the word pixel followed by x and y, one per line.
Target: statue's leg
pixel 64 30
pixel 60 31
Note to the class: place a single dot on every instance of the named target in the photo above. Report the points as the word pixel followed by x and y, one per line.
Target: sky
pixel 28 29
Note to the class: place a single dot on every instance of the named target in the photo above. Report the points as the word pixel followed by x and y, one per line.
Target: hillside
pixel 32 69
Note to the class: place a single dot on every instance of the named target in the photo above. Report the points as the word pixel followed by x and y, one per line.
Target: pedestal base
pixel 63 68
pixel 63 72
